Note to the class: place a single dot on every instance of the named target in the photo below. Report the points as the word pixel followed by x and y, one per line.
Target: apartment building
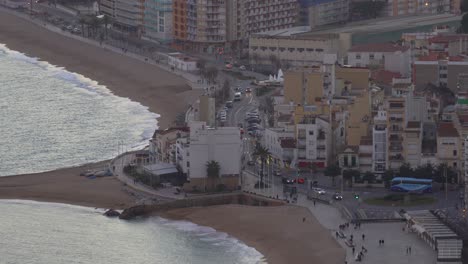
pixel 313 142
pixel 304 87
pixel 162 144
pixel 366 152
pixel 349 158
pixel 280 142
pixel 200 25
pixel 449 145
pixel 324 12
pixel 412 139
pixel 158 20
pixel 439 70
pixel 205 144
pixel 388 56
pixel 128 15
pixel 396 123
pixel 379 143
pixel 414 7
pixel 294 49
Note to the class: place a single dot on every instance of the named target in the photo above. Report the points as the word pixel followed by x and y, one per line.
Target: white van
pixel 237 97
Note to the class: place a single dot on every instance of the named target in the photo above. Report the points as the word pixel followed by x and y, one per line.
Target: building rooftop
pixel 447 38
pixel 378 47
pixel 170 130
pixel 446 129
pixel 284 118
pixel 366 141
pixel 161 168
pixel 384 77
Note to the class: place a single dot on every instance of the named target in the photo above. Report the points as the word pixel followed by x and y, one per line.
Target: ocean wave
pixel 216 238
pixel 142 122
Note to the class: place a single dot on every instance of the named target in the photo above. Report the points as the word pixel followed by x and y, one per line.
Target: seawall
pixel 201 201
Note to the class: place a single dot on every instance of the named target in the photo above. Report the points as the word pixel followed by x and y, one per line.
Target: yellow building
pixel 357 77
pixel 303 87
pixel 359 116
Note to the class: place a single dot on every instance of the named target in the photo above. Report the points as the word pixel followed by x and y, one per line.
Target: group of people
pixel 360 255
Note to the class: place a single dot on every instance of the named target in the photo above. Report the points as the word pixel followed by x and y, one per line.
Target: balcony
pixel 397 157
pixel 396 148
pixel 321 147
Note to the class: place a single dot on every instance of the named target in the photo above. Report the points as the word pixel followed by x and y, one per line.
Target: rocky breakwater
pixel 206 200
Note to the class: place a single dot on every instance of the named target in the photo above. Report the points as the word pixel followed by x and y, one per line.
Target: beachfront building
pixel 324 12
pixel 388 56
pixel 162 144
pixel 206 144
pixel 182 62
pixel 158 20
pixel 199 25
pixel 127 15
pixel 280 142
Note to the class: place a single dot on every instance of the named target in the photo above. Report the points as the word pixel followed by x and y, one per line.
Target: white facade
pixel 379 141
pixel 205 144
pixel 313 143
pixel 394 61
pixel 466 162
pixel 272 141
pixel 182 62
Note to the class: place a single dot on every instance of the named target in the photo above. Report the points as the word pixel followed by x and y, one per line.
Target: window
pixel 443 76
pixel 454 164
pixel 353 161
pixel 311 133
pixel 345 161
pixel 358 56
pixel 188 164
pixel 371 56
pixel 455 153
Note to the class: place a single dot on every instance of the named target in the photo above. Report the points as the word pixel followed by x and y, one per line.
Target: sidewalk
pixel 164 193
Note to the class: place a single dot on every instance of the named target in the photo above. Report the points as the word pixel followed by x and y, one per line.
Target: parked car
pixel 242 68
pixel 301 180
pixel 248 90
pixel 319 191
pixel 287 180
pixel 277 173
pixel 229 104
pixel 254 121
pixel 250 162
pixel 337 196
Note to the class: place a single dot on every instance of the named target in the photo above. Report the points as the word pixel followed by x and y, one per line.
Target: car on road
pixel 285 180
pixel 250 162
pixel 254 121
pixel 300 180
pixel 248 90
pixel 237 97
pixel 337 196
pixel 69 27
pixel 319 191
pixel 252 129
pixel 229 104
pixel 228 66
pixel 242 68
pixel 277 173
pixel 77 30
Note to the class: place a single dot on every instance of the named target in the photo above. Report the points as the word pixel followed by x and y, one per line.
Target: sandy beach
pixel 66 186
pixel 278 232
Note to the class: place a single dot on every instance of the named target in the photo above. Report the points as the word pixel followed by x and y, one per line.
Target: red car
pixel 300 180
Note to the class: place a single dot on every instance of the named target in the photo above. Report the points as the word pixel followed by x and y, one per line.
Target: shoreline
pixel 263 228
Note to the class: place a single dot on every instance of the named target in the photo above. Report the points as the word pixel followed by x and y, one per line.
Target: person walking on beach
pixel 409 250
pixel 314 202
pixel 303 219
pixel 363 237
pixel 354 250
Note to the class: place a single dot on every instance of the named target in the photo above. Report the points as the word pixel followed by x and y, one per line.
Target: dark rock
pixel 112 213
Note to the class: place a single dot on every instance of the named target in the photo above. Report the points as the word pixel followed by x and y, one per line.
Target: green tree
pixel 369 177
pixel 332 171
pixel 263 154
pixel 405 170
pixel 426 171
pixel 387 177
pixel 212 171
pixel 275 61
pixel 443 170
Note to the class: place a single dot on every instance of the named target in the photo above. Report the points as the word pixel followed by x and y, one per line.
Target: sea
pixel 51 118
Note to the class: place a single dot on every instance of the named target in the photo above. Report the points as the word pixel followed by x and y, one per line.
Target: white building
pixel 182 62
pixel 313 142
pixel 379 143
pixel 389 56
pixel 278 142
pixel 318 13
pixel 205 144
pixel 15 4
pixel 466 162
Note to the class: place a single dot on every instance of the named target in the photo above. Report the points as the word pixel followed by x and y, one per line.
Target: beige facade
pixel 296 50
pixel 412 141
pixel 358 77
pixel 396 124
pixel 163 143
pixel 303 87
pixel 439 73
pixel 359 117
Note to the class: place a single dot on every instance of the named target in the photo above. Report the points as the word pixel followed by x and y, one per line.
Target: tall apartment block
pixel 379 142
pixel 158 20
pixel 127 14
pixel 213 23
pixel 323 12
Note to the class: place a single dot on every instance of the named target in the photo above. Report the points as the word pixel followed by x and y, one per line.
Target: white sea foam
pixel 22 73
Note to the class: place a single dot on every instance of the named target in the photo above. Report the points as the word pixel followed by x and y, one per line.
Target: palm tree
pixel 212 170
pixel 263 154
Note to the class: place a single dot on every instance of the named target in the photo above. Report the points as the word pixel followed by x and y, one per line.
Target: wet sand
pixel 278 232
